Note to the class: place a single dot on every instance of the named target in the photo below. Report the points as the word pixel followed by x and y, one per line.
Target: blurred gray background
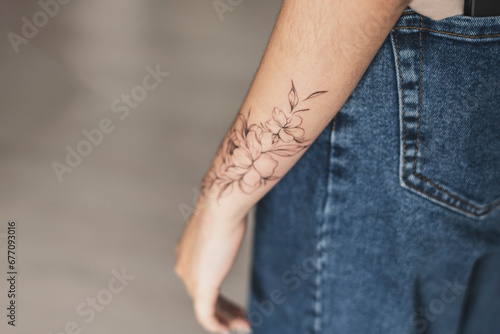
pixel 124 204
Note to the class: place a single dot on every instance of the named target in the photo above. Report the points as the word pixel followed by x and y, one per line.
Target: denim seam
pixel 419 97
pixel 486 208
pixel 447 32
pixel 320 247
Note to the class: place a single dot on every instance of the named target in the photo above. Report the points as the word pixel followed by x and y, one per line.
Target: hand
pixel 205 253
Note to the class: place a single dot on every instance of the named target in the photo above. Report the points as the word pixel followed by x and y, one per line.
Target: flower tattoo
pixel 249 154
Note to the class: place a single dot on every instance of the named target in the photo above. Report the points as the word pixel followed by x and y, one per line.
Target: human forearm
pixel 317 53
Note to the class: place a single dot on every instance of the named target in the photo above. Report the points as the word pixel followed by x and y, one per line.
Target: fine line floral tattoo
pixel 249 154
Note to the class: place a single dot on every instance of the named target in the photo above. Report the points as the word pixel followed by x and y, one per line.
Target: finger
pixel 233 321
pixel 230 306
pixel 205 310
pixel 233 314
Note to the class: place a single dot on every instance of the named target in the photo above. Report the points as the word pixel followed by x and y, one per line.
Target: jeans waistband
pixel 458 25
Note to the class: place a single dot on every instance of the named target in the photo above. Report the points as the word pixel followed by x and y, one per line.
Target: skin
pixel 321 46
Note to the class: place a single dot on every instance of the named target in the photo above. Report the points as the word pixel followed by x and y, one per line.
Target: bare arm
pixel 317 53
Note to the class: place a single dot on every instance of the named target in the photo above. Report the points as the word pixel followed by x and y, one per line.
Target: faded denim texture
pixel 377 228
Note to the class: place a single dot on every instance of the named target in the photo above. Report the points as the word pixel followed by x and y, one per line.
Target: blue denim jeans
pixel 377 227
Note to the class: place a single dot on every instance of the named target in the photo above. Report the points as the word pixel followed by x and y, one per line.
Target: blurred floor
pixel 121 206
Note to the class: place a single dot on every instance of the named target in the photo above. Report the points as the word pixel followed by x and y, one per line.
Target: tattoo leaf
pixel 293 97
pixel 315 94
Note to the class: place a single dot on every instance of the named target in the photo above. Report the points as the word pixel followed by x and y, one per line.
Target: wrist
pixel 223 209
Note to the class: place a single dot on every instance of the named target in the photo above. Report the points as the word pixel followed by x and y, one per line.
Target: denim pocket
pixel 449 108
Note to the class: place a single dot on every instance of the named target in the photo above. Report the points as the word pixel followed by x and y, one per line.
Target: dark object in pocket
pixel 482 8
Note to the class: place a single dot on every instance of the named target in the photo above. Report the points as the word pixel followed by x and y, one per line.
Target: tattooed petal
pixel 231 145
pixel 222 168
pixel 240 124
pixel 295 132
pixel 257 129
pixel 251 181
pixel 254 145
pixel 236 173
pixel 276 112
pixel 267 141
pixel 236 140
pixel 276 139
pixel 242 157
pixel 231 176
pixel 280 118
pixel 292 97
pixel 294 122
pixel 265 165
pixel 273 126
pixel 285 136
pixel 228 161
